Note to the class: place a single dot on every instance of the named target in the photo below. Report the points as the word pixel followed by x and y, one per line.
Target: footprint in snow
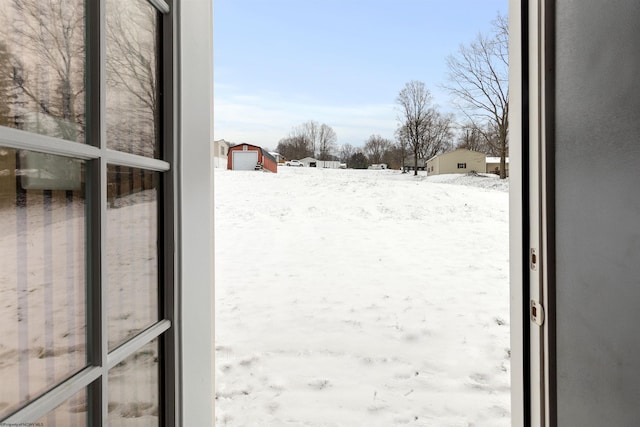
pixel 319 384
pixel 377 408
pixel 272 407
pixel 480 381
pixel 366 360
pixel 247 362
pixel 499 411
pixel 479 378
pixel 409 337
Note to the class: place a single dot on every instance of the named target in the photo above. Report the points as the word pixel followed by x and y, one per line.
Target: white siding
pixel 195 233
pixel 516 238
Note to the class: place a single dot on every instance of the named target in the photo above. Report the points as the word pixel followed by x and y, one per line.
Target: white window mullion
pixel 22 140
pixel 52 399
pixel 161 5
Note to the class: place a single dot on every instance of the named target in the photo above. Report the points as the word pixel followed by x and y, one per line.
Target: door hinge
pixel 537 313
pixel 533 259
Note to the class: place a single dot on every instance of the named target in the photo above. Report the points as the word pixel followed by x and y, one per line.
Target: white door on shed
pixel 245 160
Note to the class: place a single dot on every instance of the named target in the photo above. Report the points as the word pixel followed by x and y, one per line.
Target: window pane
pixel 132 251
pixel 133 389
pixel 42 273
pixel 133 104
pixel 72 413
pixel 42 67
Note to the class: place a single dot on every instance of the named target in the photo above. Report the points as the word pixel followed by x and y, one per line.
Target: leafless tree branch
pixel 479 82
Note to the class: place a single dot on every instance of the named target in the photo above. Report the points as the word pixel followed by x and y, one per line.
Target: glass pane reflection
pixel 132 98
pixel 42 273
pixel 133 389
pixel 132 251
pixel 42 67
pixel 72 413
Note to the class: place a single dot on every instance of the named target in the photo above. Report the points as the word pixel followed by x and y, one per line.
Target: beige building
pixel 457 161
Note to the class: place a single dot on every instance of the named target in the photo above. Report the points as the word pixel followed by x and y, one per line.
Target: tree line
pixel 310 139
pixel 478 84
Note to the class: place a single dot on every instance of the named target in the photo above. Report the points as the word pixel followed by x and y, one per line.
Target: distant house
pixel 310 162
pixel 493 165
pixel 220 151
pixel 279 157
pixel 378 166
pixel 410 164
pixel 250 157
pixel 457 161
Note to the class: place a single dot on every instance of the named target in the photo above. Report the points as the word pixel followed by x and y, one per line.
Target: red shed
pixel 247 157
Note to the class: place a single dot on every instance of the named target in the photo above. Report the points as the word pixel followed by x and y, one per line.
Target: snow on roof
pixel 496 159
pixel 452 151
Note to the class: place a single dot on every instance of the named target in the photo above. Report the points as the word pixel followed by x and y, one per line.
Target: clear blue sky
pixel 279 63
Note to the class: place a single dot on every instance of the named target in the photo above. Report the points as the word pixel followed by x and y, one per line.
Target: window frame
pixel 94 377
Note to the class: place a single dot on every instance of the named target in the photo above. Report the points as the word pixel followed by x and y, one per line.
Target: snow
pixel 361 298
pixel 496 160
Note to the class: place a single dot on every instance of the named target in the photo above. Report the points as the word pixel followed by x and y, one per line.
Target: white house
pixel 220 152
pixel 279 158
pixel 310 162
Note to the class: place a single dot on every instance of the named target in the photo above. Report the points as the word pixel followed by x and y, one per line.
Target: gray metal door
pixel 245 160
pixel 593 122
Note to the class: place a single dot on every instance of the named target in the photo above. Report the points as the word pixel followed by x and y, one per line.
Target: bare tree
pixel 346 151
pixel 485 140
pixel 414 101
pixel 326 142
pixel 376 147
pixel 471 138
pixel 402 146
pixel 5 85
pixel 294 147
pixel 393 157
pixel 47 39
pixel 132 77
pixel 438 135
pixel 320 139
pixel 479 79
pixel 309 131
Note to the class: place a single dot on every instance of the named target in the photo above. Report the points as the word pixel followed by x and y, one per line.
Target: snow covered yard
pixel 361 298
